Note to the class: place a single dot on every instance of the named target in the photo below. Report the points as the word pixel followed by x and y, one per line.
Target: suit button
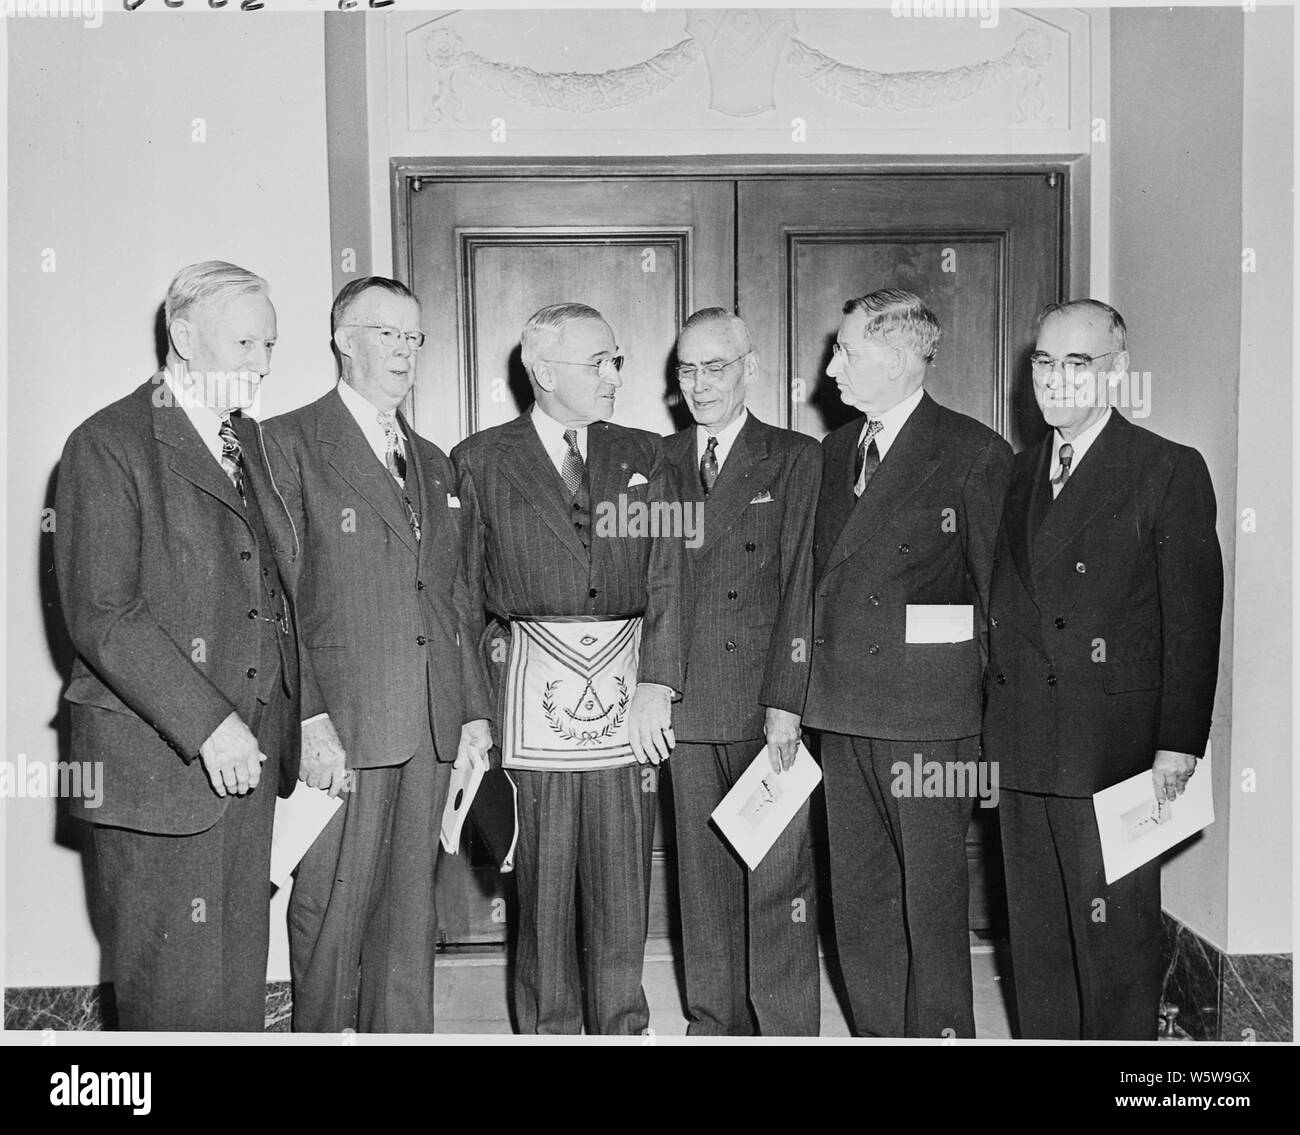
pixel 730 645
pixel 874 600
pixel 1081 567
pixel 420 640
pixel 252 671
pixel 592 593
pixel 750 546
pixel 904 548
pixel 245 556
pixel 1059 624
pixel 731 594
pixel 253 613
pixel 1001 679
pixel 419 585
pixel 819 642
pixel 1051 679
pixel 873 649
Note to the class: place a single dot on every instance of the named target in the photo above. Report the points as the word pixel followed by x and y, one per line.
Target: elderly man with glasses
pixel 749 937
pixel 1104 649
pixel 396 691
pixel 583 645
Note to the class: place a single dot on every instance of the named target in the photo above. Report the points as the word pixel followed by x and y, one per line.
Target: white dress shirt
pixel 1081 445
pixel 726 439
pixel 552 434
pixel 367 415
pixel 204 419
pixel 891 421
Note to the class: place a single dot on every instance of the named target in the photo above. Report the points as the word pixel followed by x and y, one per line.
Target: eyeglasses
pixel 614 362
pixel 393 336
pixel 1043 363
pixel 689 375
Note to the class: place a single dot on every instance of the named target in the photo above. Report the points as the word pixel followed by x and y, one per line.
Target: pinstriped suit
pixel 583 836
pixel 746 631
pixel 389 629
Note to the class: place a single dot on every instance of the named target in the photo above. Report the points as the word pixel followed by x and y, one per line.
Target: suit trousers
pixel 187 918
pixel 1085 955
pixel 362 920
pixel 584 845
pixel 899 888
pixel 749 938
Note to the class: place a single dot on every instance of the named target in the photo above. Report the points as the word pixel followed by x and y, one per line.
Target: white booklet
pixel 299 818
pixel 1134 827
pixel 762 803
pixel 460 795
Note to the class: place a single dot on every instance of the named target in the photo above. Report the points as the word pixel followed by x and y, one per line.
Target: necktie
pixel 868 460
pixel 394 454
pixel 709 466
pixel 573 469
pixel 1058 482
pixel 395 459
pixel 232 457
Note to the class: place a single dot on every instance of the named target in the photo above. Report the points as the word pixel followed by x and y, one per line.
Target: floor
pixel 472 987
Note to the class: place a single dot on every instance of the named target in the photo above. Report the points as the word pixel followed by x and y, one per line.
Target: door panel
pixel 982 250
pixel 486 254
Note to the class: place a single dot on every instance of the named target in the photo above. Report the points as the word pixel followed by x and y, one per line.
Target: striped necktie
pixel 232 457
pixel 868 459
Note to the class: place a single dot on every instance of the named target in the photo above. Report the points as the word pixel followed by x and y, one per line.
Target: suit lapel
pixel 189 457
pixel 742 475
pixel 354 461
pixel 1024 509
pixel 911 461
pixel 1102 474
pixel 528 467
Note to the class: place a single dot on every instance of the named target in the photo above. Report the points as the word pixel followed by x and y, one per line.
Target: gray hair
pixel 720 317
pixel 894 315
pixel 209 281
pixel 546 327
pixel 1114 321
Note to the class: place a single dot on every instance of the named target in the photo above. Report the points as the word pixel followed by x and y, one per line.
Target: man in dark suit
pixel 170 546
pixel 397 691
pixel 750 938
pixel 542 497
pixel 1104 649
pixel 910 498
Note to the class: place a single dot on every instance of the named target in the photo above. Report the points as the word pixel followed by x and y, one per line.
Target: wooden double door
pixel 484 247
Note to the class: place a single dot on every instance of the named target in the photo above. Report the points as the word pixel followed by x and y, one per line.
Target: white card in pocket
pixel 940 622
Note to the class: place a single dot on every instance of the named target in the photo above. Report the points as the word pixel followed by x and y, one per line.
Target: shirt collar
pixel 1081 444
pixel 726 436
pixel 205 420
pixel 367 414
pixel 552 432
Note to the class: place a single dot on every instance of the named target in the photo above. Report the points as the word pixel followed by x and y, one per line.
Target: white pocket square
pixel 636 479
pixel 763 498
pixel 453 502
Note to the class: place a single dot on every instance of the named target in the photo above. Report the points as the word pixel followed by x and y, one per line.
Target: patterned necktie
pixel 868 460
pixel 1058 482
pixel 394 454
pixel 232 457
pixel 395 459
pixel 573 469
pixel 709 466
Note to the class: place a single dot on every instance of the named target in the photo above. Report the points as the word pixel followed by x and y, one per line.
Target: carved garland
pixel 585 92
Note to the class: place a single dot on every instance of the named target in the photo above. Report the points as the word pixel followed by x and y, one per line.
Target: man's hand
pixel 323 763
pixel 231 757
pixel 782 732
pixel 475 742
pixel 650 723
pixel 1171 771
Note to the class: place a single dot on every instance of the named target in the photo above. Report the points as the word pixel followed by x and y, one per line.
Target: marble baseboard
pixel 90 1008
pixel 1210 995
